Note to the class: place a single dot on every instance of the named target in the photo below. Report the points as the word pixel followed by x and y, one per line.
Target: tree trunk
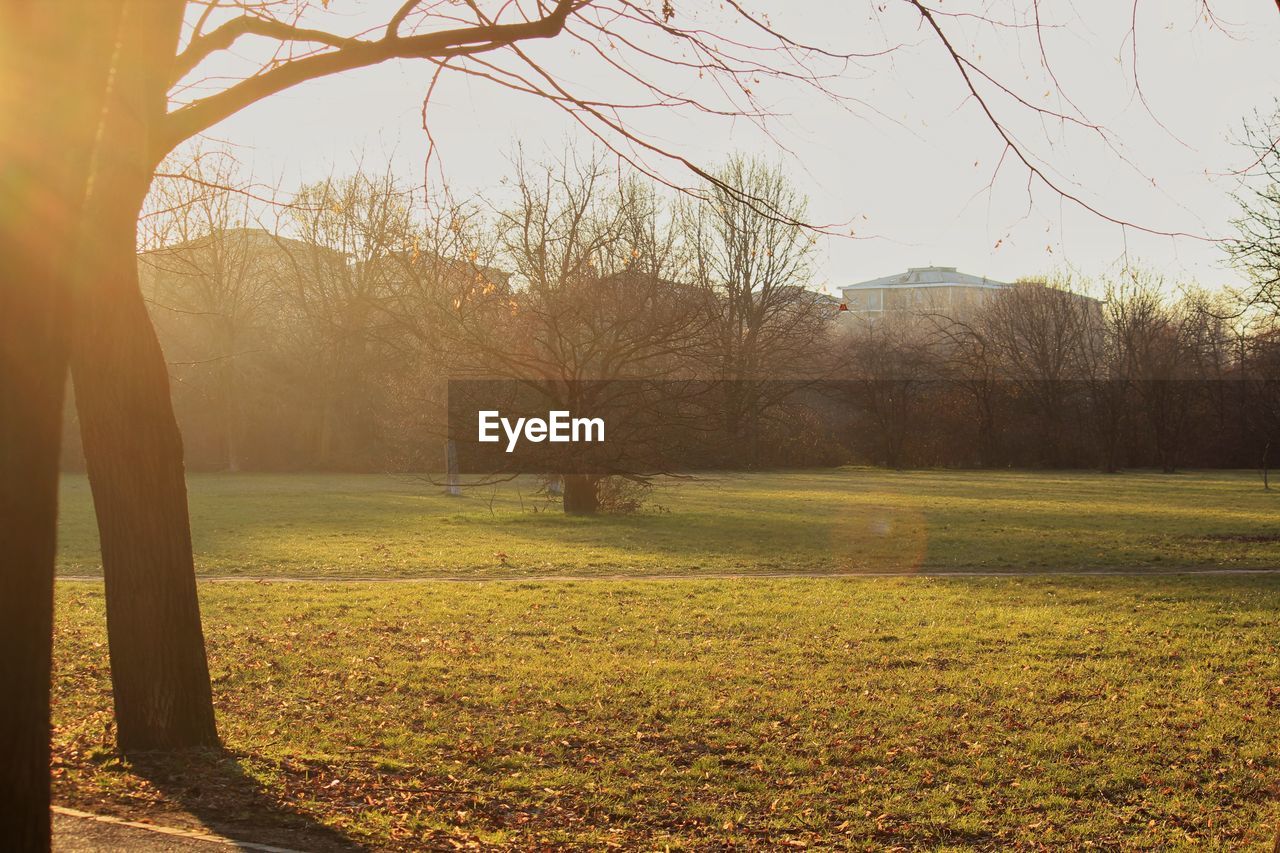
pixel 580 494
pixel 324 436
pixel 55 77
pixel 453 483
pixel 232 411
pixel 133 451
pixel 33 365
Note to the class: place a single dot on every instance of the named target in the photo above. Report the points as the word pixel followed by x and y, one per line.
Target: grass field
pixel 757 713
pixel 908 713
pixel 814 521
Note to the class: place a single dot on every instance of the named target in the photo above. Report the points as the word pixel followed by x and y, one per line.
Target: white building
pixel 920 289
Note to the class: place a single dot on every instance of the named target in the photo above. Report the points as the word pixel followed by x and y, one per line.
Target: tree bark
pixel 1266 487
pixel 230 396
pixel 580 494
pixel 46 147
pixel 33 365
pixel 133 453
pixel 453 484
pixel 133 450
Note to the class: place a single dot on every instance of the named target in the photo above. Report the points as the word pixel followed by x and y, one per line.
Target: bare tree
pixel 1261 383
pixel 970 360
pixel 748 251
pixel 339 234
pixel 594 306
pixel 1154 343
pixel 450 253
pixel 891 367
pixel 1106 358
pixel 48 158
pixel 210 287
pixel 1037 329
pixel 1255 248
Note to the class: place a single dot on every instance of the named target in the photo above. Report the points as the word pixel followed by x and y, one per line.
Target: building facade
pixel 920 289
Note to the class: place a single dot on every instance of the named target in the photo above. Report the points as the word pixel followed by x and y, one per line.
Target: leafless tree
pixel 969 360
pixel 1261 384
pixel 209 286
pixel 891 365
pixel 451 250
pixel 336 238
pixel 1255 248
pixel 594 304
pixel 1158 360
pixel 1036 329
pixel 747 250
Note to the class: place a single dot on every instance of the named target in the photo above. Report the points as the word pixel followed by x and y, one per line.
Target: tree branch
pixel 225 35
pixel 393 26
pixel 1034 172
pixel 350 54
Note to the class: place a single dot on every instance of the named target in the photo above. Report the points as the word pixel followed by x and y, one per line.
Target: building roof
pixel 928 277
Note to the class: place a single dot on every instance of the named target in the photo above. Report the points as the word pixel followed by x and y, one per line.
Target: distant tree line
pixel 1044 375
pixel 323 341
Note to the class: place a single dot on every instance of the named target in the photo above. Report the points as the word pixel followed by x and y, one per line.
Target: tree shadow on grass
pixel 213 786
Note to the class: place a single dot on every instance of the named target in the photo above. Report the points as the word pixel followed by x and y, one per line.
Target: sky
pixel 904 166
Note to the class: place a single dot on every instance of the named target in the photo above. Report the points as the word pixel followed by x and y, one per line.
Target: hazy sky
pixel 909 166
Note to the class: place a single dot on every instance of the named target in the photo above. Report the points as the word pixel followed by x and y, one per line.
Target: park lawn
pixel 948 713
pixel 825 521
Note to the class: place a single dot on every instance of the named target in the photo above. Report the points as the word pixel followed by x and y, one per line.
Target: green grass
pixel 813 521
pixel 940 713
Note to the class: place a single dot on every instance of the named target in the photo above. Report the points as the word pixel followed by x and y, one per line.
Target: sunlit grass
pixel 960 713
pixel 811 521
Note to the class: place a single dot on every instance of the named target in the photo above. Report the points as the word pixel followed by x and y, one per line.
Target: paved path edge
pixel 173 832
